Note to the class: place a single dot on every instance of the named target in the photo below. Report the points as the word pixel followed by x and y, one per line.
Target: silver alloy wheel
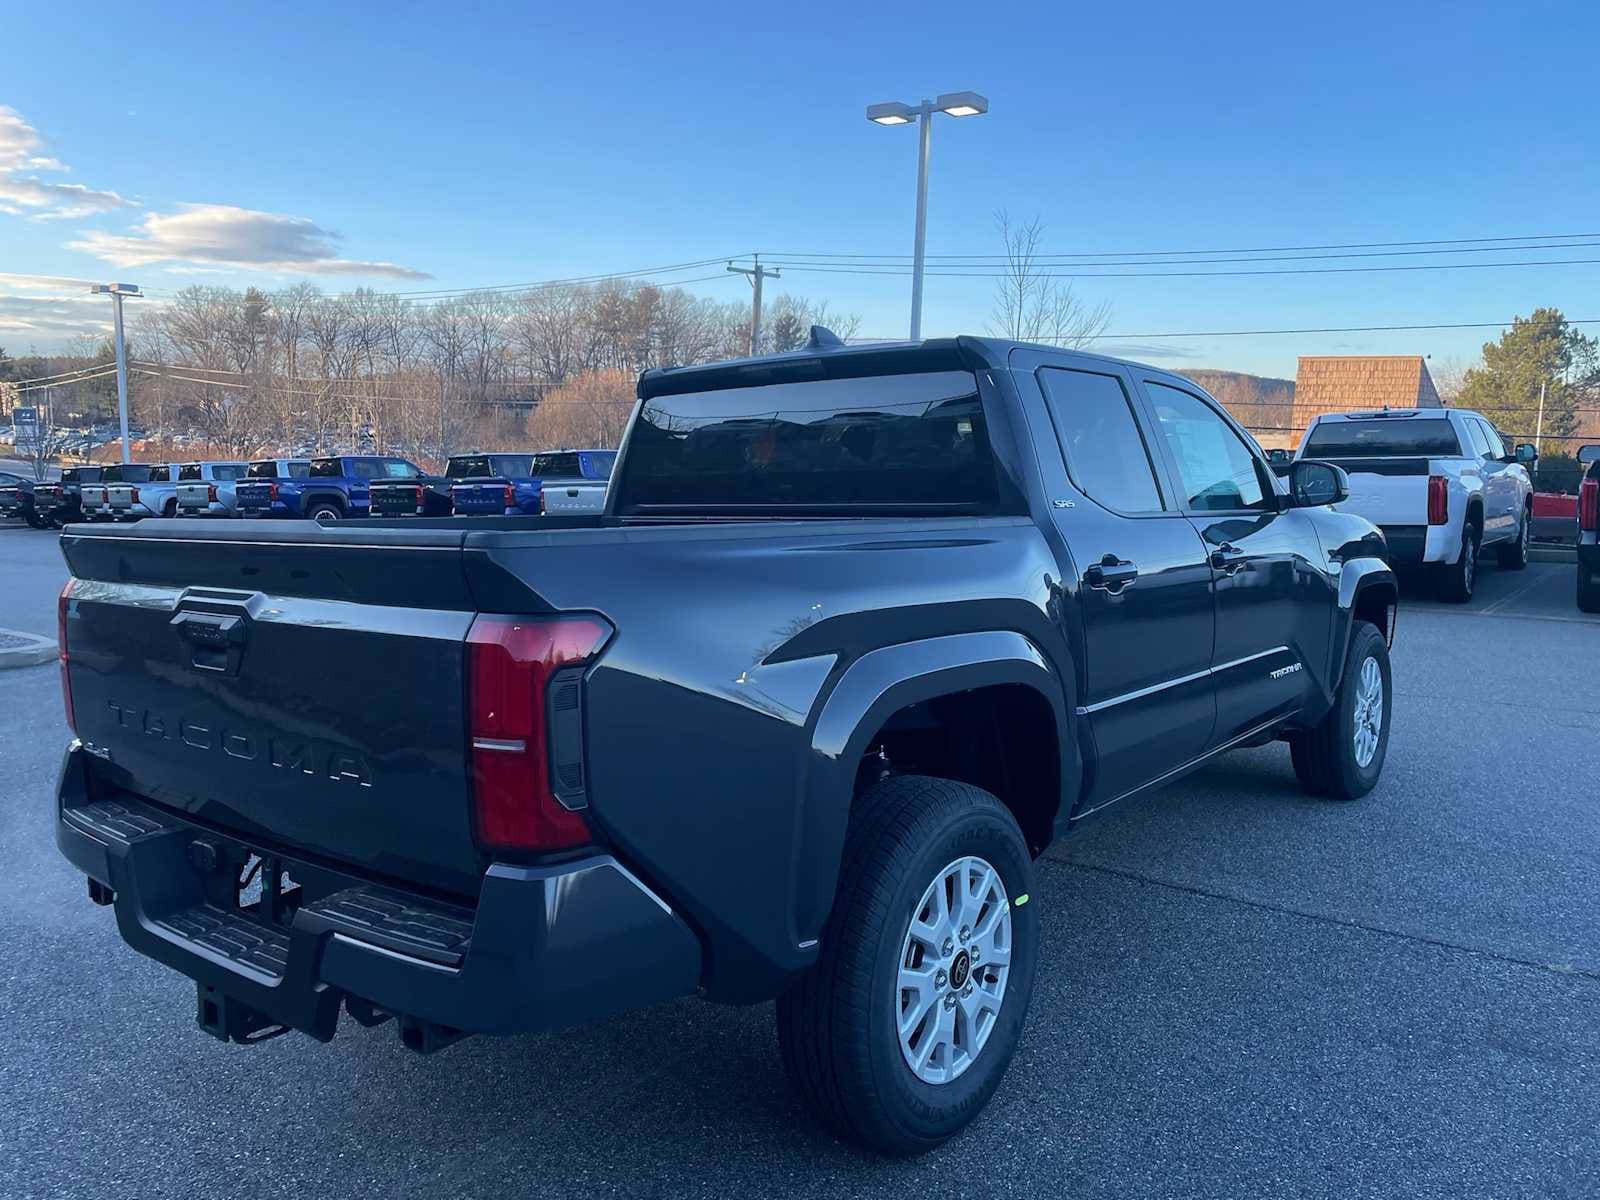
pixel 953 965
pixel 1369 712
pixel 1469 560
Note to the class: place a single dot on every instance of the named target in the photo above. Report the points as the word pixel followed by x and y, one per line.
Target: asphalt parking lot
pixel 1243 992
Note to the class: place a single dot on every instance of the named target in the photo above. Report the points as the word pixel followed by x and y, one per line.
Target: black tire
pixel 1514 555
pixel 1588 591
pixel 326 510
pixel 35 521
pixel 170 508
pixel 1325 759
pixel 1457 580
pixel 837 1026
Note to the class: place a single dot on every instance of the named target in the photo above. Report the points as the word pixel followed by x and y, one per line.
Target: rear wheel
pixel 1458 579
pixel 170 508
pixel 1588 591
pixel 1342 756
pixel 1514 555
pixel 903 1029
pixel 326 510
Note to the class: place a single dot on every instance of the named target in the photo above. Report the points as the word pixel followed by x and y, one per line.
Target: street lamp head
pixel 892 113
pixel 962 104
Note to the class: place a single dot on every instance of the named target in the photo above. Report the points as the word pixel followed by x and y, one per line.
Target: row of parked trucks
pixel 330 488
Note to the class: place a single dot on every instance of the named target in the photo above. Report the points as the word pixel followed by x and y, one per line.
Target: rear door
pixel 1274 605
pixel 1141 582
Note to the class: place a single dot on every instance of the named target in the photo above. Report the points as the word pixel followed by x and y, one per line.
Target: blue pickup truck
pixel 510 484
pixel 331 489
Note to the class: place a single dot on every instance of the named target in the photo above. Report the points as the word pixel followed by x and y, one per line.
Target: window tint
pixel 226 471
pixel 133 473
pixel 1105 452
pixel 264 469
pixel 1383 437
pixel 600 463
pixel 874 443
pixel 298 470
pixel 363 468
pixel 555 466
pixel 395 469
pixel 189 471
pixel 467 466
pixel 512 466
pixel 326 468
pixel 1493 447
pixel 1217 470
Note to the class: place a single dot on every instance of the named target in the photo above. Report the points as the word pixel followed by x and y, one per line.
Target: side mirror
pixel 1525 453
pixel 1312 484
pixel 1588 454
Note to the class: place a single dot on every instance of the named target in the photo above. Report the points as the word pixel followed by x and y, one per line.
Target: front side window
pixel 1100 440
pixel 363 468
pixel 1217 470
pixel 395 469
pixel 228 471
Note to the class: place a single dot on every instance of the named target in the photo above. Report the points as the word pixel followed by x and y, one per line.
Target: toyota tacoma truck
pixel 62 501
pixel 334 488
pixel 1439 482
pixel 860 632
pixel 508 484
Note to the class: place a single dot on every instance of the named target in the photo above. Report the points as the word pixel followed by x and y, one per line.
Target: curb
pixel 24 649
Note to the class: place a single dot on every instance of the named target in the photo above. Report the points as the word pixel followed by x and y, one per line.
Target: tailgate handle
pixel 216 640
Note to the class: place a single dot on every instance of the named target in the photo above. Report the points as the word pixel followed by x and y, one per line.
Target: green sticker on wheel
pixel 1020 900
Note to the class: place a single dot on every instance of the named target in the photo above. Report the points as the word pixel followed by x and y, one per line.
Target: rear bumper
pixel 544 947
pixel 1418 545
pixel 213 509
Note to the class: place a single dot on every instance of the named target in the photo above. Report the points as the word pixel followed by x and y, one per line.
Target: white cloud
pixel 233 237
pixel 25 194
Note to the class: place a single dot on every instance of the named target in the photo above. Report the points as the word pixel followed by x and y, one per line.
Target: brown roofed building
pixel 1344 383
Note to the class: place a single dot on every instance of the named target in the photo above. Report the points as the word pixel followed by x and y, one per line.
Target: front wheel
pixel 903 1029
pixel 1342 756
pixel 1588 591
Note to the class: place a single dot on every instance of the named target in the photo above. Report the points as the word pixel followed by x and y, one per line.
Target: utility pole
pixel 755 274
pixel 1538 431
pixel 117 291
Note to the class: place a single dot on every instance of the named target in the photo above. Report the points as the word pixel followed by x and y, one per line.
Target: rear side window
pixel 1100 440
pixel 883 442
pixel 227 471
pixel 297 470
pixel 190 471
pixel 553 466
pixel 1383 437
pixel 263 470
pixel 326 468
pixel 134 473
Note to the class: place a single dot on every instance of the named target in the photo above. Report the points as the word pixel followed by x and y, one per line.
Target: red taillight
pixel 133 495
pixel 1589 506
pixel 1438 500
pixel 511 706
pixel 509 497
pixel 61 653
pixel 272 492
pixel 211 493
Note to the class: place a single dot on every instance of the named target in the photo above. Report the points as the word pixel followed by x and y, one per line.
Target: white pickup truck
pixel 1440 483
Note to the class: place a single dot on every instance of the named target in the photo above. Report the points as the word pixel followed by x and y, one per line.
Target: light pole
pixel 117 291
pixel 952 104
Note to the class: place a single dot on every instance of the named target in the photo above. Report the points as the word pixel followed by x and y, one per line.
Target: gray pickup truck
pixel 860 632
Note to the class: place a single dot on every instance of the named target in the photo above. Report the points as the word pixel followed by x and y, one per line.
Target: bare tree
pixel 1031 304
pixel 590 411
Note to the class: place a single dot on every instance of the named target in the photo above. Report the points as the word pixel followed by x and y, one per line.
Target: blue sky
pixel 430 146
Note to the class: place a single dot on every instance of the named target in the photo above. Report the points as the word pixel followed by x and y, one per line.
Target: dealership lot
pixel 1243 992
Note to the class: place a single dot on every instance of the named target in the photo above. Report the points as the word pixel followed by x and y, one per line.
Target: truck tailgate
pixel 283 689
pixel 1386 491
pixel 193 495
pixel 120 495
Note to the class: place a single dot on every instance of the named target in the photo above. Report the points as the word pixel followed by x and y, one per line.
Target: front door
pixel 1500 497
pixel 1274 604
pixel 1140 579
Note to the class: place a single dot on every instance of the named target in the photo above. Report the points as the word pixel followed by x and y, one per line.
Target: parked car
pixel 862 631
pixel 254 493
pixel 141 490
pixel 94 496
pixel 206 489
pixel 508 484
pixel 421 495
pixel 334 487
pixel 1589 531
pixel 16 499
pixel 62 501
pixel 1441 484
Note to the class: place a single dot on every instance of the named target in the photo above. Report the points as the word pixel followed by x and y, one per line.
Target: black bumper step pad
pixel 406 924
pixel 232 935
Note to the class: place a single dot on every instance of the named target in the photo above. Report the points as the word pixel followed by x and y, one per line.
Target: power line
pixel 1530 237
pixel 1076 274
pixel 1098 337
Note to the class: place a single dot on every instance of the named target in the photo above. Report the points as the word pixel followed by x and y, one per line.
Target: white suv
pixel 1440 483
